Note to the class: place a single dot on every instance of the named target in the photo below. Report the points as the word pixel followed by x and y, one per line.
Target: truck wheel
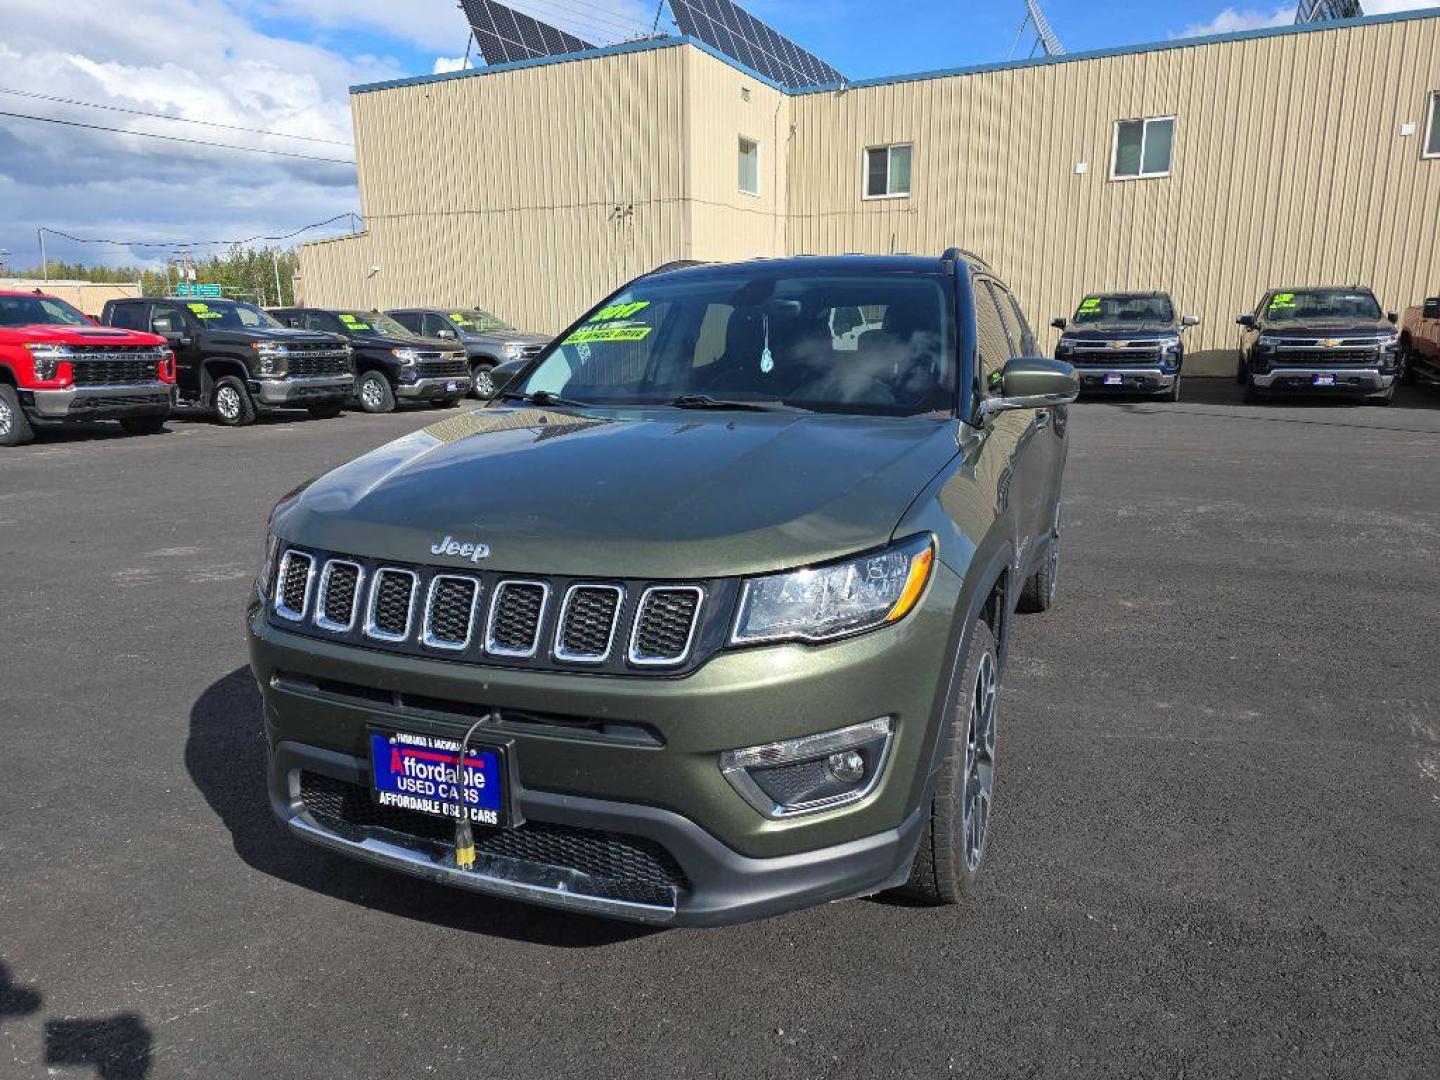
pixel 1240 370
pixel 952 845
pixel 15 429
pixel 1385 397
pixel 1253 394
pixel 1408 375
pixel 1039 591
pixel 1173 394
pixel 328 411
pixel 482 385
pixel 374 393
pixel 143 425
pixel 231 402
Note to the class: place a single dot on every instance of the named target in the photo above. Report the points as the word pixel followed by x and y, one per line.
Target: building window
pixel 887 171
pixel 1142 148
pixel 749 166
pixel 1432 127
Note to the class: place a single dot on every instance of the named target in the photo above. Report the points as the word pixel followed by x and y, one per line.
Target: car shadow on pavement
pixel 226 757
pixel 116 1047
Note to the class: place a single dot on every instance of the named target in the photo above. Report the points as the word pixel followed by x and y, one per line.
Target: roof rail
pixel 955 254
pixel 678 264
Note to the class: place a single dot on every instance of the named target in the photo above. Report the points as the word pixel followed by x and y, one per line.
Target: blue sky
pixel 284 66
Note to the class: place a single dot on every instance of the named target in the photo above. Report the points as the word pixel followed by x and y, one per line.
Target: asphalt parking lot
pixel 1217 849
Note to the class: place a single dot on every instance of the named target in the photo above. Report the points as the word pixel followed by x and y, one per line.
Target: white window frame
pixel 1144 134
pixel 1432 123
pixel 759 166
pixel 865 171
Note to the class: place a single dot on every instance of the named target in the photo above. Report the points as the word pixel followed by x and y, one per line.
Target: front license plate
pixel 1324 380
pixel 418 772
pixel 451 386
pixel 1114 380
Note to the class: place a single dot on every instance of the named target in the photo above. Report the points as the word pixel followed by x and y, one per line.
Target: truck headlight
pixel 272 359
pixel 1064 348
pixel 47 359
pixel 820 603
pixel 1264 344
pixel 406 356
pixel 1169 346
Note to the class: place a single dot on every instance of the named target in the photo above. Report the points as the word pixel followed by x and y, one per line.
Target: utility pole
pixel 279 296
pixel 4 261
pixel 44 263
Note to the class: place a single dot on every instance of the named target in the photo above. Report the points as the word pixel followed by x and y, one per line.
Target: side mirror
pixel 447 334
pixel 1247 321
pixel 1393 316
pixel 1431 310
pixel 1189 320
pixel 1058 323
pixel 501 375
pixel 1033 382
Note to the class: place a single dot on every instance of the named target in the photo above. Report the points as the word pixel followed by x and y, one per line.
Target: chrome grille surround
pixel 497 598
pixel 564 625
pixel 372 628
pixel 428 636
pixel 323 614
pixel 645 658
pixel 285 585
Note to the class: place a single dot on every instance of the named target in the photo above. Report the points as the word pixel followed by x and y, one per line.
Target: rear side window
pixel 130 316
pixel 1022 342
pixel 433 324
pixel 407 319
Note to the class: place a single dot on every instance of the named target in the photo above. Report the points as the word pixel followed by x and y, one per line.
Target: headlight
pixel 1265 343
pixel 406 356
pixel 1169 345
pixel 514 352
pixel 272 359
pixel 824 602
pixel 1064 348
pixel 48 358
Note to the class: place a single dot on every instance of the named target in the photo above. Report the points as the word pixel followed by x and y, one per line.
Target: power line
pixel 173 119
pixel 181 245
pixel 607 22
pixel 176 138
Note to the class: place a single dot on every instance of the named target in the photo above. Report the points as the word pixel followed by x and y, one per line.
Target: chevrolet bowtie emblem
pixel 1329 342
pixel 1116 344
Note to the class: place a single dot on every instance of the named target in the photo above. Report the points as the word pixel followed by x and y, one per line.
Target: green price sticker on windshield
pixel 352 323
pixel 1090 303
pixel 589 334
pixel 616 312
pixel 202 311
pixel 458 319
pixel 1282 300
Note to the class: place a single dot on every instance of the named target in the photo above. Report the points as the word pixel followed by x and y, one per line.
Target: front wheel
pixel 231 402
pixel 1173 394
pixel 482 382
pixel 1039 591
pixel 143 425
pixel 1408 375
pixel 15 429
pixel 952 846
pixel 374 393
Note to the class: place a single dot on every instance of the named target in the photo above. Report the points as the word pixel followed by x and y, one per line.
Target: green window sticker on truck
pixel 608 333
pixel 202 311
pixel 616 312
pixel 460 320
pixel 352 323
pixel 1090 303
pixel 1282 300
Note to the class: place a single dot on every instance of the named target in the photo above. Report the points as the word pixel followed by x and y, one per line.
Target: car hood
pixel 1120 331
pixel 1329 328
pixel 505 337
pixel 654 493
pixel 385 341
pixel 49 333
pixel 283 334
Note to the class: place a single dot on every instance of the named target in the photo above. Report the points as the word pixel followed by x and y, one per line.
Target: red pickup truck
pixel 1420 341
pixel 59 366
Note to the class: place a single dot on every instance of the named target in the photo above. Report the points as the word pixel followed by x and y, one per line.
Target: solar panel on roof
pixel 735 32
pixel 505 35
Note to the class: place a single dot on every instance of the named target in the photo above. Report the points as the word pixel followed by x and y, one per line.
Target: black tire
pixel 1240 370
pixel 373 393
pixel 1408 375
pixel 231 402
pixel 481 385
pixel 1385 397
pixel 1253 394
pixel 952 845
pixel 328 411
pixel 15 429
pixel 143 425
pixel 1039 592
pixel 1173 394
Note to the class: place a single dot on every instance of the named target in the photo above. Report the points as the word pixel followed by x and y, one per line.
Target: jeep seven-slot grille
pixel 515 618
pixel 618 627
pixel 664 625
pixel 631 867
pixel 587 625
pixel 450 611
pixel 390 604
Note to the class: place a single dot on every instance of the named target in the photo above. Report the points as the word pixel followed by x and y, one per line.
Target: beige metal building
pixel 88 296
pixel 1211 168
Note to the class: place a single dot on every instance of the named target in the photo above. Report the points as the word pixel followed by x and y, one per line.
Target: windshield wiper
pixel 541 397
pixel 705 401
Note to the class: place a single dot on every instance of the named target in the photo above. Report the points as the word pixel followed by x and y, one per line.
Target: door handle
pixel 1042 418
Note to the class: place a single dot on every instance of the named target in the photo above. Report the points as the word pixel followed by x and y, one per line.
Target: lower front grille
pixel 631 868
pixel 443 369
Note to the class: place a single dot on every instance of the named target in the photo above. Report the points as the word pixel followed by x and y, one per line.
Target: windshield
pixel 371 322
pixel 39 311
pixel 477 321
pixel 1102 308
pixel 230 315
pixel 1306 306
pixel 764 340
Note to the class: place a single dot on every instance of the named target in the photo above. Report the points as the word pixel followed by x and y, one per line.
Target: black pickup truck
pixel 1125 342
pixel 237 360
pixel 1319 340
pixel 391 363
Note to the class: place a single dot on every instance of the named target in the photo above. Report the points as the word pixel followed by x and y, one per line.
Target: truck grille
pixel 489 617
pixel 1102 355
pixel 633 867
pixel 448 368
pixel 111 365
pixel 317 362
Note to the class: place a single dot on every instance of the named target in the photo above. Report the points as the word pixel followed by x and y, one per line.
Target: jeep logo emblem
pixel 451 546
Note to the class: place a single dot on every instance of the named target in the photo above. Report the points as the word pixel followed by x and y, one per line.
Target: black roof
pixel 817 264
pixel 1135 295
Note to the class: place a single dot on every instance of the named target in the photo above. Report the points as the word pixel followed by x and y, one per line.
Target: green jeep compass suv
pixel 701 620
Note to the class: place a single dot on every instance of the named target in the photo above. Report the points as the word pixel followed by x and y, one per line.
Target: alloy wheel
pixel 227 402
pixel 483 383
pixel 7 418
pixel 370 394
pixel 979 763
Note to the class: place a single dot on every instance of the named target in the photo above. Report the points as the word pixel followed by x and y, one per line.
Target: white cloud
pixel 1232 19
pixel 445 64
pixel 1385 7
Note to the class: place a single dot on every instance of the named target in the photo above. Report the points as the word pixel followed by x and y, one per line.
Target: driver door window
pixel 168 319
pixel 433 324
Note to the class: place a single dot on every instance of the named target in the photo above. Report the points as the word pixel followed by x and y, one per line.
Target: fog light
pixel 813 773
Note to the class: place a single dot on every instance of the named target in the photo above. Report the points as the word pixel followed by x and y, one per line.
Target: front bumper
pixel 434 389
pixel 302 390
pixel 736 864
pixel 98 402
pixel 1133 380
pixel 1362 380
